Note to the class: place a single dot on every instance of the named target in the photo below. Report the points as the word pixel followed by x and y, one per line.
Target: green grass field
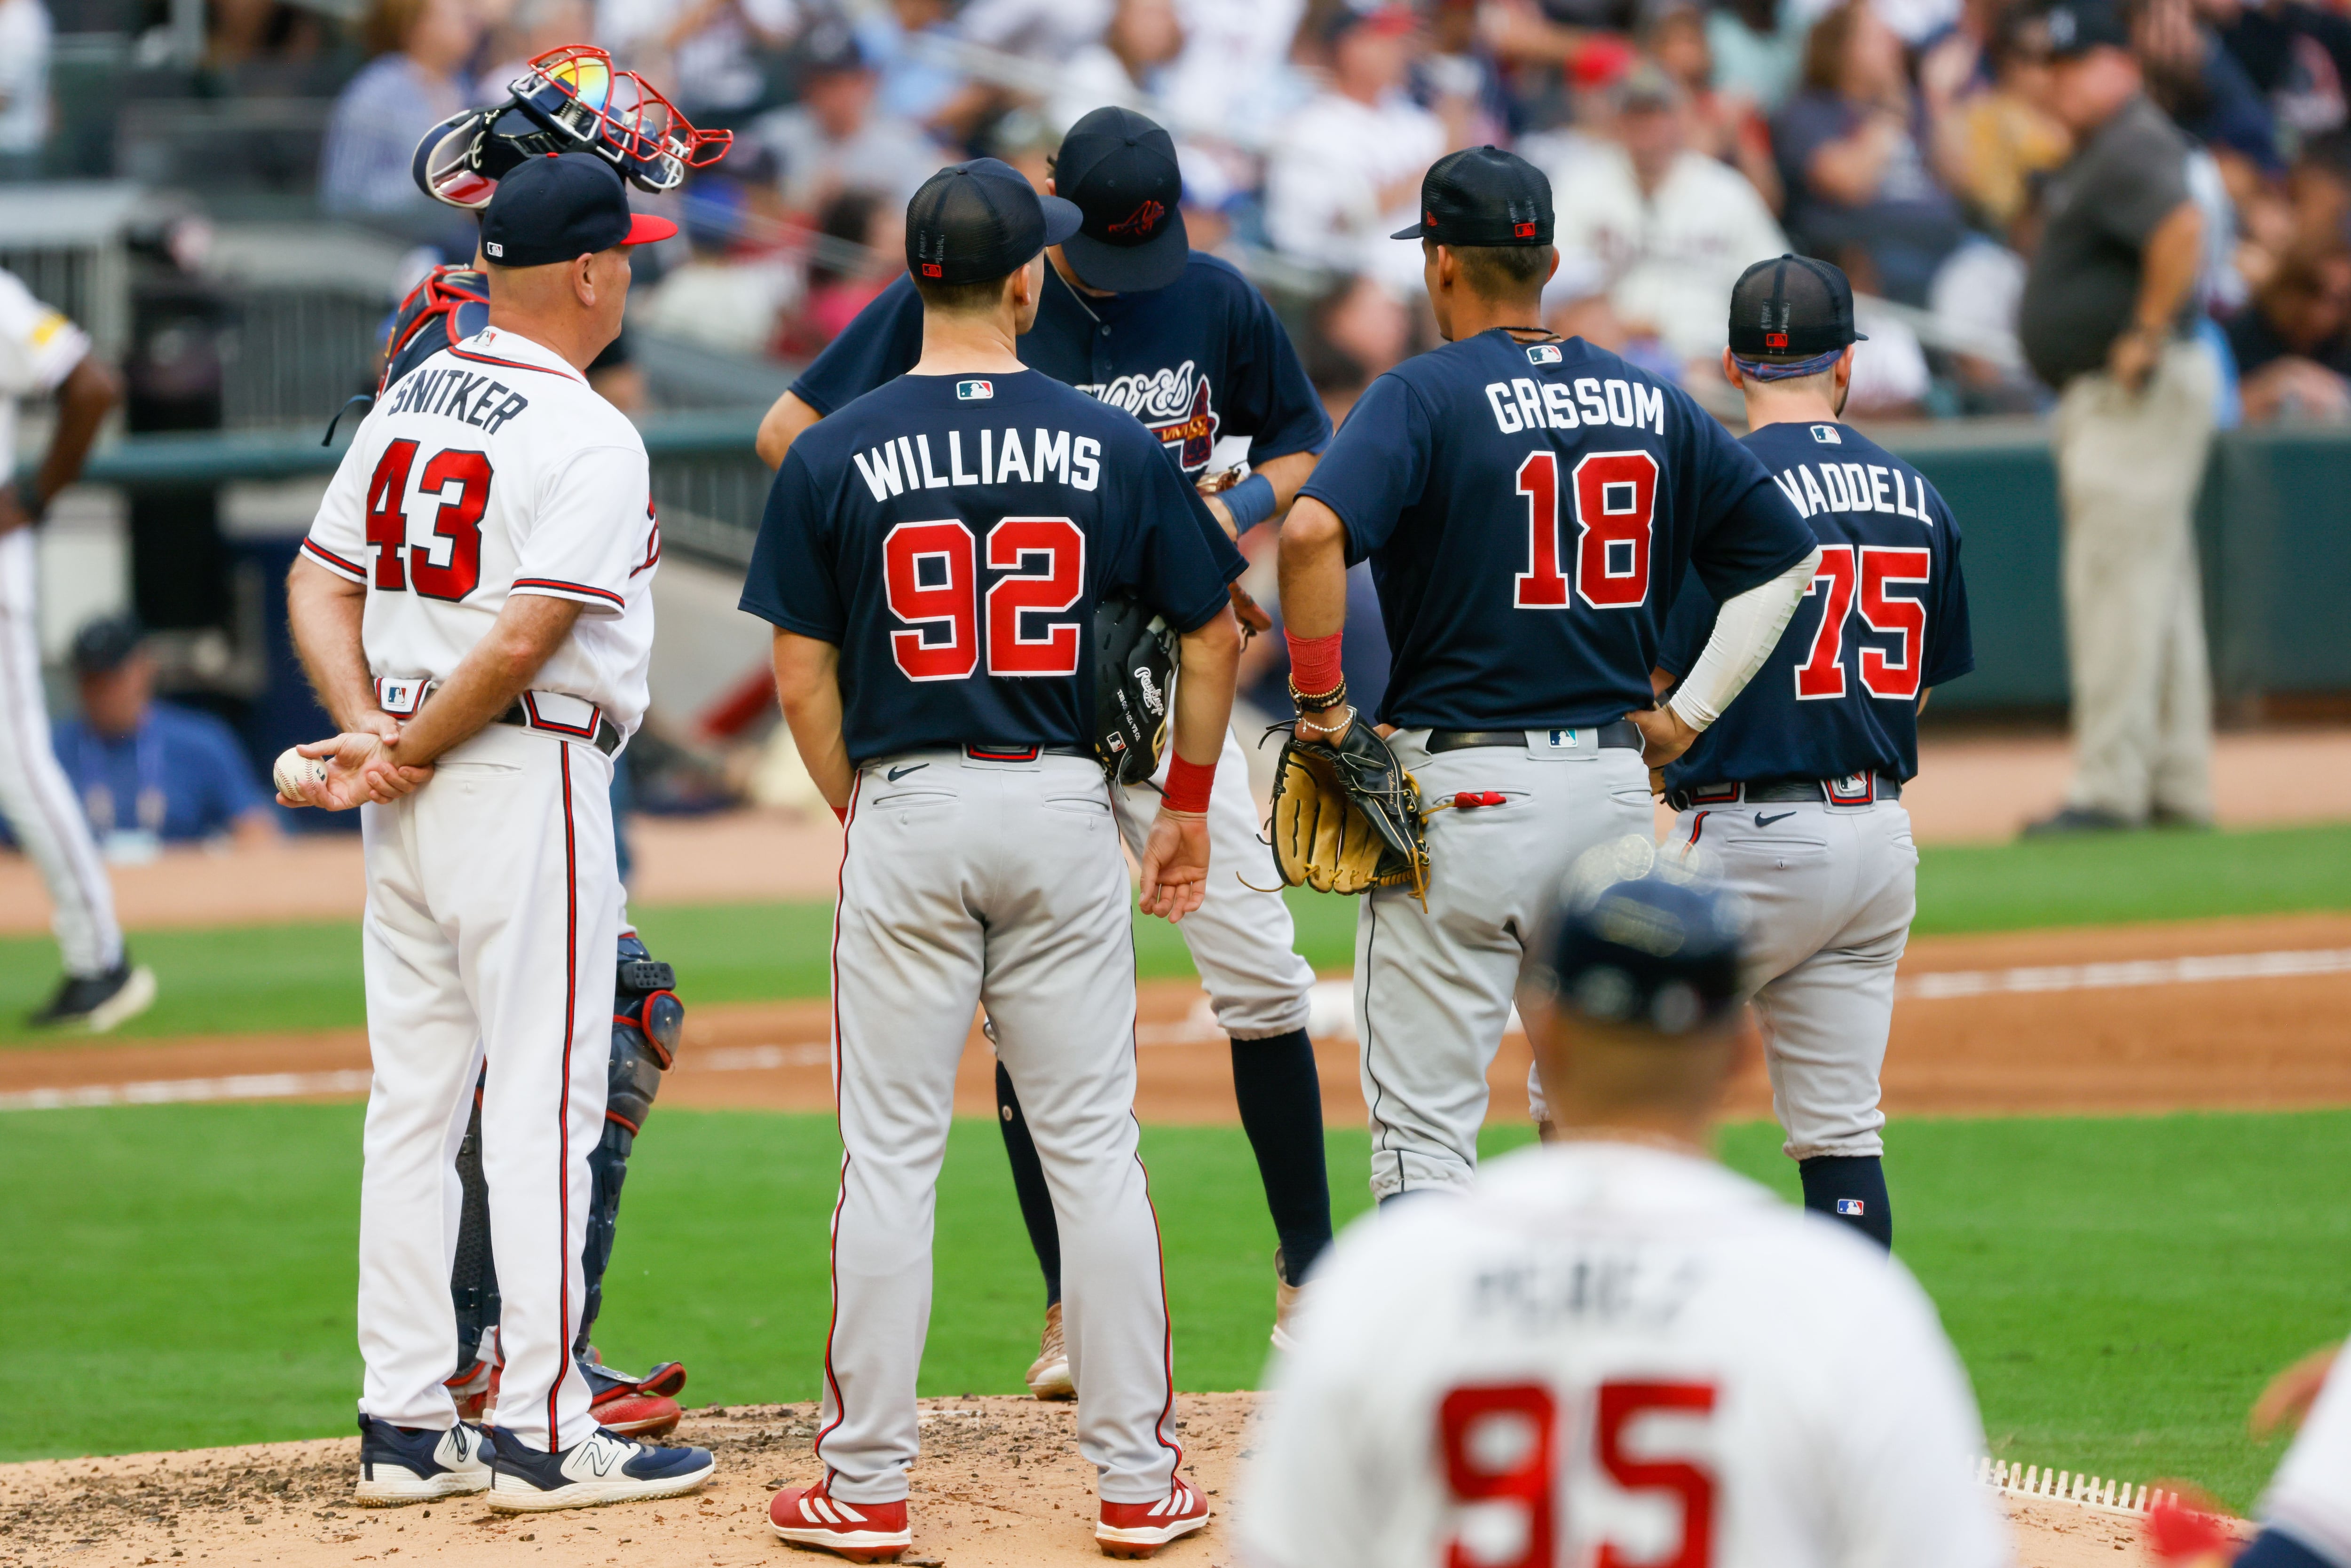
pixel 308 976
pixel 2119 1288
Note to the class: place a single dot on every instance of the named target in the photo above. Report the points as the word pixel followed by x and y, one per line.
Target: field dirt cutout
pixel 999 1485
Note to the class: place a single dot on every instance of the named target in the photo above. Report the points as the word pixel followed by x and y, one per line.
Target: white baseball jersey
pixel 38 349
pixel 1612 1353
pixel 493 469
pixel 2310 1497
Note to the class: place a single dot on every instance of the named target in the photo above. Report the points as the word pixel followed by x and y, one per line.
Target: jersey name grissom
pixel 490 470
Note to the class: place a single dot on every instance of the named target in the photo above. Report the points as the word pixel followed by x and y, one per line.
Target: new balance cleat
pixel 604 1468
pixel 417 1464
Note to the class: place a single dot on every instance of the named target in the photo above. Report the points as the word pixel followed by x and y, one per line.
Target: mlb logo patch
pixel 1826 434
pixel 1849 1206
pixel 1542 353
pixel 975 392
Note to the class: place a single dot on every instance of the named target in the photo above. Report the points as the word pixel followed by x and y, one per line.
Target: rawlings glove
pixel 1135 662
pixel 1347 817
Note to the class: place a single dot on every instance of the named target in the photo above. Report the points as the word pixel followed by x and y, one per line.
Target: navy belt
pixel 1624 735
pixel 1854 789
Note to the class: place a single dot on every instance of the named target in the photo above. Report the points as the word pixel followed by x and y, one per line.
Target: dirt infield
pixel 999 1486
pixel 2105 1019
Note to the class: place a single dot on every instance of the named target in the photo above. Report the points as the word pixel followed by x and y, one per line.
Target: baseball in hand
pixel 295 773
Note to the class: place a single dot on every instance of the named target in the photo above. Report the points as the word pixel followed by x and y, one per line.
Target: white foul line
pixel 2115 977
pixel 1331 1016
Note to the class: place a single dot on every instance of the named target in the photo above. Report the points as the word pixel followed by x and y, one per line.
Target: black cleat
pixel 99 1002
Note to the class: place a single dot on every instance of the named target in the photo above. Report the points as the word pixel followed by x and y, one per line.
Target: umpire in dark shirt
pixel 2108 306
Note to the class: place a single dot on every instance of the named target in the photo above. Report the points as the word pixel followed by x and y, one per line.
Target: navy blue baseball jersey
pixel 952 535
pixel 1203 358
pixel 1884 619
pixel 1528 511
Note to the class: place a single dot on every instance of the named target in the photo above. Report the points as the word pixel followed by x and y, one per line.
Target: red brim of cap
pixel 645 229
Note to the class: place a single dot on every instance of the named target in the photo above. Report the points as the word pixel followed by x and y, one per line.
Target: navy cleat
pixel 417 1464
pixel 606 1468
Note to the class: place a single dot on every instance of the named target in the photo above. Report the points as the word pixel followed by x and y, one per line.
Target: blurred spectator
pixel 2108 300
pixel 1978 292
pixel 719 298
pixel 861 251
pixel 1345 172
pixel 148 772
pixel 1663 228
pixel 717 59
pixel 831 140
pixel 1128 65
pixel 2203 88
pixel 24 87
pixel 1357 331
pixel 1758 49
pixel 899 40
pixel 2001 138
pixel 1720 125
pixel 415 80
pixel 1235 71
pixel 2298 55
pixel 1852 149
pixel 1051 31
pixel 2292 347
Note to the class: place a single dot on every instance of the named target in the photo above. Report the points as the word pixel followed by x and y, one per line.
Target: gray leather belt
pixel 1854 789
pixel 1621 736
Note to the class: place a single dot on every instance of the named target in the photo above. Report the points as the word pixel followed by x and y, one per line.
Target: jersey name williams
pixel 904 463
pixel 1524 403
pixel 479 400
pixel 1853 487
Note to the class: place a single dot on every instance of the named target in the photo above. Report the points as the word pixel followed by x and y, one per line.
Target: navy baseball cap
pixel 1791 305
pixel 103 644
pixel 1482 196
pixel 1641 936
pixel 548 210
pixel 971 222
pixel 2077 26
pixel 1121 170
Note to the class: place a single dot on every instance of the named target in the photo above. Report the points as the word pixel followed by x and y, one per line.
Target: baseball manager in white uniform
pixel 474 604
pixel 1612 1350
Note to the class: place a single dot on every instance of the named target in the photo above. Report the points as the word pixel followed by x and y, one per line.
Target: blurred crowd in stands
pixel 1908 139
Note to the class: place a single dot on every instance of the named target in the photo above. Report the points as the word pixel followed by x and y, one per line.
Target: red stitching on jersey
pixel 605 593
pixel 333 559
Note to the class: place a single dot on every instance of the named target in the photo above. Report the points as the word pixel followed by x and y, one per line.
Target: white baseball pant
pixel 1434 988
pixel 1242 939
pixel 491 918
pixel 1830 894
pixel 967 883
pixel 34 795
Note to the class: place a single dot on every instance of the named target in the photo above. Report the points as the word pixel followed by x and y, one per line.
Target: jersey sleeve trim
pixel 1187 625
pixel 825 408
pixel 334 562
pixel 556 588
pixel 785 621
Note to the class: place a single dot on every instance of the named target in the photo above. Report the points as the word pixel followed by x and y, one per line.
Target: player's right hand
pixel 1664 735
pixel 1174 864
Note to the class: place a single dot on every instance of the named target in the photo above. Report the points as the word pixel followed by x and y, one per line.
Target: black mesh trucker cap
pixel 971 222
pixel 1791 305
pixel 1482 195
pixel 1120 169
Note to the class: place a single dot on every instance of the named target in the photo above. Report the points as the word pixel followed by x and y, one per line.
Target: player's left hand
pixel 1175 865
pixel 2288 1398
pixel 1664 738
pixel 359 771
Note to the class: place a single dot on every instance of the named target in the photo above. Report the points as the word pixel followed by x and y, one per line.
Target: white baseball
pixel 293 773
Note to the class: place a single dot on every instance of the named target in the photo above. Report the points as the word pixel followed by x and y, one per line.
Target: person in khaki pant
pixel 2105 304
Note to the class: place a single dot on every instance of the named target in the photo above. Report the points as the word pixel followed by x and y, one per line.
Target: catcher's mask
pixel 570 99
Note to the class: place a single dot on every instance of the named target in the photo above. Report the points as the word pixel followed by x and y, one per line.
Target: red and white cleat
pixel 860 1531
pixel 1140 1529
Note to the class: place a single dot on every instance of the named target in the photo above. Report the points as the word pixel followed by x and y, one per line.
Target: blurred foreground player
pixel 1612 1349
pixel 1796 791
pixel 932 558
pixel 483 691
pixel 41 352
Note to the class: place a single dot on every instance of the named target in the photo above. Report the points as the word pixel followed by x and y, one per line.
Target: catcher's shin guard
pixel 646 1019
pixel 474 1277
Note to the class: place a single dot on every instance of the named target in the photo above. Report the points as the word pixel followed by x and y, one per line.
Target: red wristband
pixel 1187 786
pixel 1313 661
